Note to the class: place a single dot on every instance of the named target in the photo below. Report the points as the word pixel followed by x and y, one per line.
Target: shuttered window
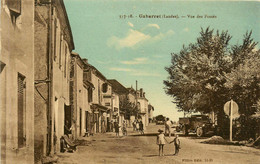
pixel 54 39
pixel 21 111
pixel 14 5
pixel 65 63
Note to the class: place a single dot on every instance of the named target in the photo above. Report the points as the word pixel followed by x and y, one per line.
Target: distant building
pixel 101 104
pixel 120 94
pixel 142 104
pixel 80 98
pixel 150 112
pixel 17 81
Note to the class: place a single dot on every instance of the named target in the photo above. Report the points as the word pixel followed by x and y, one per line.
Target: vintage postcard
pixel 130 81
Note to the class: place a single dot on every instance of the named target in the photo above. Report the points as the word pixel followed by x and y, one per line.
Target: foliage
pixel 128 107
pixel 196 74
pixel 160 118
pixel 206 74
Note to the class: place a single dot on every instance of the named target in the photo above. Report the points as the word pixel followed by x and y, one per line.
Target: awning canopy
pixel 98 107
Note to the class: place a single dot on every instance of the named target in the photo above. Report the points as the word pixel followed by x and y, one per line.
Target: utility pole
pixel 136 98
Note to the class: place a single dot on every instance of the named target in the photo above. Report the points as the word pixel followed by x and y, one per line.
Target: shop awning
pixel 98 107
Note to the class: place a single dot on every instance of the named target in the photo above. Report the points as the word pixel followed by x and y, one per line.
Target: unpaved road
pixel 134 148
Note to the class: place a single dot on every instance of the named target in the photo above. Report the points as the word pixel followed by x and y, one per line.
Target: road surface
pixel 142 149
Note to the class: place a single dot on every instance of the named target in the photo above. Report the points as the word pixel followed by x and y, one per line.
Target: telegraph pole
pixel 136 98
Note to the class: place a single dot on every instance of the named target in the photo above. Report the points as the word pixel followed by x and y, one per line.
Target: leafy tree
pixel 196 73
pixel 128 107
pixel 208 73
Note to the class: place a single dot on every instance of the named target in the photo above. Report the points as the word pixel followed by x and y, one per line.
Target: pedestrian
pixel 141 127
pixel 134 125
pixel 168 127
pixel 137 125
pixel 117 129
pixel 124 128
pixel 177 144
pixel 73 129
pixel 67 130
pixel 161 141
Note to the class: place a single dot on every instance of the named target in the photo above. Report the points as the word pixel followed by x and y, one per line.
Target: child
pixel 177 144
pixel 161 141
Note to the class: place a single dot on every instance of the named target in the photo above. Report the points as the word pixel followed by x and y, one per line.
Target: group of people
pixel 124 128
pixel 161 141
pixel 138 126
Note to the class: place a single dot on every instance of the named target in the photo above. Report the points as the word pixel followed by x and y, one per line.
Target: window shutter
pixel 21 101
pixel 14 5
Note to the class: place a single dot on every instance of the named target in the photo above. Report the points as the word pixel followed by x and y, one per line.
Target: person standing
pixel 137 125
pixel 117 129
pixel 124 128
pixel 161 141
pixel 141 127
pixel 168 127
pixel 177 144
pixel 134 125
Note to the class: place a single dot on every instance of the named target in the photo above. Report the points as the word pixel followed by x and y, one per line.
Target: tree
pixel 196 73
pixel 128 107
pixel 243 81
pixel 208 73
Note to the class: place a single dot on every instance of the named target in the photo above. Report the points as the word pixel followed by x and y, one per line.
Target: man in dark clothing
pixel 141 127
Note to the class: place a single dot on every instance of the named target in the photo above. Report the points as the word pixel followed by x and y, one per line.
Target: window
pixel 104 87
pixel 65 63
pixel 21 111
pixel 14 5
pixel 54 39
pixel 90 94
pixel 60 50
pixel 107 104
pixel 15 8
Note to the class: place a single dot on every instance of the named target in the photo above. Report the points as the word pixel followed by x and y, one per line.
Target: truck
pixel 199 124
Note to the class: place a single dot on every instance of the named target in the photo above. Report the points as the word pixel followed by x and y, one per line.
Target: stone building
pixel 80 97
pixel 101 104
pixel 17 81
pixel 142 104
pixel 150 112
pixel 120 93
pixel 52 49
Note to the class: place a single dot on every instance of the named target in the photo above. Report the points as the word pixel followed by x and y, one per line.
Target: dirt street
pixel 134 148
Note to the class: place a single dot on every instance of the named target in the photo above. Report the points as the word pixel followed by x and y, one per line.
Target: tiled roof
pixel 118 87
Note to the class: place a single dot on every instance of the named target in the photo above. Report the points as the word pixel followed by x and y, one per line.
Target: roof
pixel 131 90
pixel 67 23
pixel 117 87
pixel 98 106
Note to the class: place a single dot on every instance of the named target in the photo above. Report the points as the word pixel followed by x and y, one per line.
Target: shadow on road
pixel 146 134
pixel 153 155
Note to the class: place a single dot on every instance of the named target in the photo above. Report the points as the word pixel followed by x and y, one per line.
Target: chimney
pixel 141 92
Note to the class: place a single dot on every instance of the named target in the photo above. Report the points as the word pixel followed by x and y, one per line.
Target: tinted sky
pixel 139 48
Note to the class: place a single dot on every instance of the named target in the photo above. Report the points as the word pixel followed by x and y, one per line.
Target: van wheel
pixel 199 132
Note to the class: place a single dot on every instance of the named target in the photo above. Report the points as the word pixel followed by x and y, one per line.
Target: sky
pixel 116 38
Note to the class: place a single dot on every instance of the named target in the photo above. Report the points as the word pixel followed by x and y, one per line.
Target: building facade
pixel 150 112
pixel 142 104
pixel 17 81
pixel 80 98
pixel 101 104
pixel 53 46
